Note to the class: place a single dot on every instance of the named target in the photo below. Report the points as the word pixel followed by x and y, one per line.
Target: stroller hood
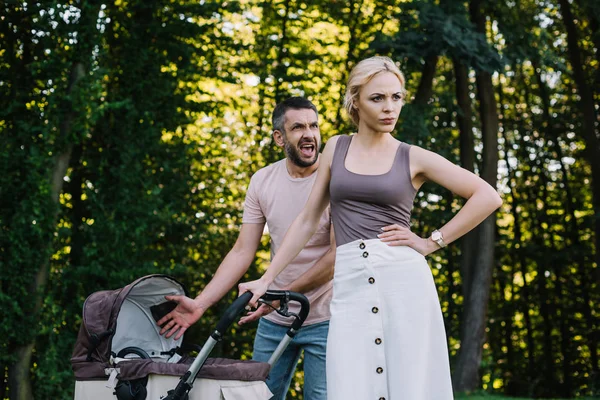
pixel 117 319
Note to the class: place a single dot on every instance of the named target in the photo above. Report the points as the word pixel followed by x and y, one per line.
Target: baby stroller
pixel 119 353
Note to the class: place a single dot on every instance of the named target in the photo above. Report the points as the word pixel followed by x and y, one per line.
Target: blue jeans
pixel 312 339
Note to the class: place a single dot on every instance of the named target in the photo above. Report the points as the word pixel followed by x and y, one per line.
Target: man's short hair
pixel 293 103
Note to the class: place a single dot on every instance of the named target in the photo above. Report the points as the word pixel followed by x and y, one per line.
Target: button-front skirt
pixel 386 337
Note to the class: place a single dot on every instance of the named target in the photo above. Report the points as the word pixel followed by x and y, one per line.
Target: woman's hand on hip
pixel 396 235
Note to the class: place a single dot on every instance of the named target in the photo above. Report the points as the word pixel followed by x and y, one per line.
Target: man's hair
pixel 293 103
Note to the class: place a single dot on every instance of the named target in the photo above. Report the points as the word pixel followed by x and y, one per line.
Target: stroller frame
pixel 235 309
pixel 122 322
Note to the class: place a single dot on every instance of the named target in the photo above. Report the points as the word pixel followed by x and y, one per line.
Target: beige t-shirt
pixel 276 198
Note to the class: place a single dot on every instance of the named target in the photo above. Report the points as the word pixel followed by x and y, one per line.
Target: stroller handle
pixel 233 311
pixel 285 297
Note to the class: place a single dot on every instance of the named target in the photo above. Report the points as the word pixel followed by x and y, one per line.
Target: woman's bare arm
pixel 301 230
pixel 482 199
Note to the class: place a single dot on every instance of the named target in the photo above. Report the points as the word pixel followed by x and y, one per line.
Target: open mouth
pixel 308 149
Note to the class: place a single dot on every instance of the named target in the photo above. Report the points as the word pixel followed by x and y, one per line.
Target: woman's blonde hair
pixel 361 74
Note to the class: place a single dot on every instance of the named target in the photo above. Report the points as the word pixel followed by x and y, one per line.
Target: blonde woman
pixel 386 337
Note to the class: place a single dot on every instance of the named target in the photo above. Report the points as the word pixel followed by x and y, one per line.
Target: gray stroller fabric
pixel 119 326
pixel 213 368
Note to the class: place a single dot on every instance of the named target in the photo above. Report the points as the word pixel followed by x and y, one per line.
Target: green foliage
pixel 171 116
pixel 427 29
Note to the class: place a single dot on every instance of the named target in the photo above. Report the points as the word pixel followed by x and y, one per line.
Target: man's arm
pixel 232 269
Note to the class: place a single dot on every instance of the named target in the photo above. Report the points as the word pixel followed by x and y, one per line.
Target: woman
pixel 386 336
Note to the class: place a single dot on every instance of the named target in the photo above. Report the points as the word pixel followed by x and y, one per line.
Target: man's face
pixel 302 138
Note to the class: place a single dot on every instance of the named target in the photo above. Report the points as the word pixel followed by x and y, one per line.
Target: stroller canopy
pixel 114 320
pixel 117 319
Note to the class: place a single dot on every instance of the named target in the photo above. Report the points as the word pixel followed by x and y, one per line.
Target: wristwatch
pixel 437 237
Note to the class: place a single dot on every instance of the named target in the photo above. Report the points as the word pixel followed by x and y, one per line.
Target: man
pixel 276 195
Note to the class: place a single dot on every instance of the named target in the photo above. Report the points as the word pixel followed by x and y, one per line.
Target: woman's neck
pixel 370 139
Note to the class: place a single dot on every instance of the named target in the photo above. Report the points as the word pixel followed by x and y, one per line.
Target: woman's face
pixel 379 103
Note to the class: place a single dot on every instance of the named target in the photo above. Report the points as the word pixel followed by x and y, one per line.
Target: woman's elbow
pixel 488 196
pixel 495 200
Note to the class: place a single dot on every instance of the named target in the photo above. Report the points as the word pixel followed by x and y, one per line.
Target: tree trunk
pixel 425 89
pixel 76 190
pixel 19 379
pixel 262 47
pixel 591 12
pixel 464 121
pixel 507 312
pixel 280 67
pixel 466 376
pixel 518 232
pixel 3 382
pixel 475 307
pixel 351 57
pixel 562 313
pixel 592 151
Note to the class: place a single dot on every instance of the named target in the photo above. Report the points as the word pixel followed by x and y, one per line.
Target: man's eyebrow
pixel 295 124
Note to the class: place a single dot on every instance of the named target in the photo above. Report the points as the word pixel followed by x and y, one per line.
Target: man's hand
pixel 396 235
pixel 259 312
pixel 181 318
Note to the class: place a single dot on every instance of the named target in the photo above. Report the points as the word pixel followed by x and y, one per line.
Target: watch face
pixel 436 235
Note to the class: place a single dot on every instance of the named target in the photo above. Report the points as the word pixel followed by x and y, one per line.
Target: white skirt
pixel 386 335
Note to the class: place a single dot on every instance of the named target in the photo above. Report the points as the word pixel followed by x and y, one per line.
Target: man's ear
pixel 278 138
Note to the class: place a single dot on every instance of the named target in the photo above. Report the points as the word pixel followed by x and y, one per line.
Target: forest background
pixel 130 129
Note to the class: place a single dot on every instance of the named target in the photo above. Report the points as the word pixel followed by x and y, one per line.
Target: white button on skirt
pixel 386 335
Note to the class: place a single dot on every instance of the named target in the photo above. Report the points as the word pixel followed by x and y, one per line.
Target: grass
pixel 495 397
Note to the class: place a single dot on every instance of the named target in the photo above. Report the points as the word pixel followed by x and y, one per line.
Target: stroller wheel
pixel 133 350
pixel 134 389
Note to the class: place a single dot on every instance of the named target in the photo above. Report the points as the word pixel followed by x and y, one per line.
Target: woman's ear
pixel 278 138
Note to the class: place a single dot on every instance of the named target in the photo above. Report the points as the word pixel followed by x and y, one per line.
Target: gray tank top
pixel 362 204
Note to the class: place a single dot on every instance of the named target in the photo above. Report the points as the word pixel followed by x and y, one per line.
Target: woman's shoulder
pixel 413 149
pixel 422 159
pixel 332 141
pixel 330 147
pixel 335 138
pixel 418 151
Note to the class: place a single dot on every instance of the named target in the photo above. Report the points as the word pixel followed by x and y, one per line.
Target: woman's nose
pixel 388 106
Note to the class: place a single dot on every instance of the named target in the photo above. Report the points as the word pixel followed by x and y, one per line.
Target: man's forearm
pixel 318 275
pixel 231 270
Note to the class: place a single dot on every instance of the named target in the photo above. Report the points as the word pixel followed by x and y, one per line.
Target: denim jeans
pixel 312 339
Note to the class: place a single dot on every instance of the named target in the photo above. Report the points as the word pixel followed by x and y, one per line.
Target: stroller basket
pixel 120 354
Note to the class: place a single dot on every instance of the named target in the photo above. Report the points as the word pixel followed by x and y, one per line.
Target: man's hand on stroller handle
pixel 257 287
pixel 261 311
pixel 181 318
